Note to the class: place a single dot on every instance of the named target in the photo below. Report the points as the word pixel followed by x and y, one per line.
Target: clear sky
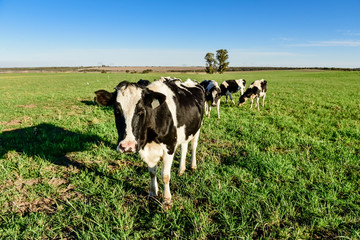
pixel 284 33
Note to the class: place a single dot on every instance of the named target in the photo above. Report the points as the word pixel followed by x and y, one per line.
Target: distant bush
pixel 147 71
pixel 103 71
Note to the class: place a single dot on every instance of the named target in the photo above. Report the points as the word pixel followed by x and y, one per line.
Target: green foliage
pixel 222 56
pixel 211 63
pixel 288 171
pixel 147 71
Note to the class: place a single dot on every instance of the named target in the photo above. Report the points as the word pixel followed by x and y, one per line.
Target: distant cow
pixel 256 90
pixel 232 86
pixel 212 96
pixel 154 121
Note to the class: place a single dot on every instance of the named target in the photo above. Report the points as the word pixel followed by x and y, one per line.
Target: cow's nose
pixel 126 147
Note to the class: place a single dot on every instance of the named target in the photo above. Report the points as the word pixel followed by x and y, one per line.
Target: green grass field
pixel 289 171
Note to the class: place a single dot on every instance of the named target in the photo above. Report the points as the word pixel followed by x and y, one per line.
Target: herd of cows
pixel 154 118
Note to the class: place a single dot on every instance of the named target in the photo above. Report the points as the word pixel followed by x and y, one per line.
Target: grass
pixel 289 171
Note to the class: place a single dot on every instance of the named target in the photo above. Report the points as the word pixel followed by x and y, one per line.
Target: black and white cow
pixel 156 119
pixel 256 90
pixel 232 86
pixel 212 96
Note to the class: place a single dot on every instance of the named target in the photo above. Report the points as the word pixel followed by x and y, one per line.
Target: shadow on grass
pixel 54 144
pixel 89 103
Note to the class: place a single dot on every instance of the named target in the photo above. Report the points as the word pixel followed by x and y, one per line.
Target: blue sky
pixel 317 33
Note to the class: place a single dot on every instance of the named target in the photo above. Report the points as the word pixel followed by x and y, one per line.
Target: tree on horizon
pixel 222 56
pixel 211 63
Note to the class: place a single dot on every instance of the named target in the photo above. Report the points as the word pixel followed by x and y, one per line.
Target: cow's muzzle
pixel 126 147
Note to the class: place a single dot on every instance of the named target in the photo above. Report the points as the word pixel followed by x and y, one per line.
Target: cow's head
pixel 133 107
pixel 214 94
pixel 242 100
pixel 251 92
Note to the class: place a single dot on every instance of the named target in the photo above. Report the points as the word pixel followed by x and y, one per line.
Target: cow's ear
pixel 105 98
pixel 153 99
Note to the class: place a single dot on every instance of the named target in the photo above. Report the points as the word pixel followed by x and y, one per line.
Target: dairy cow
pixel 212 96
pixel 256 90
pixel 232 86
pixel 154 120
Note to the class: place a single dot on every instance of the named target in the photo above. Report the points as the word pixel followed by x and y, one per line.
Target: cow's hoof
pixel 181 172
pixel 167 205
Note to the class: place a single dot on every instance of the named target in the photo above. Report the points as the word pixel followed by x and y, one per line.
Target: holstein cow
pixel 256 90
pixel 212 96
pixel 232 86
pixel 156 119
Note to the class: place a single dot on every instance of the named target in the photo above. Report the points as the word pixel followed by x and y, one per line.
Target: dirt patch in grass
pixel 11 122
pixel 15 122
pixel 23 198
pixel 26 106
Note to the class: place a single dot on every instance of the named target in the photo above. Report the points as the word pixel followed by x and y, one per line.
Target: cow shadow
pixel 54 144
pixel 89 102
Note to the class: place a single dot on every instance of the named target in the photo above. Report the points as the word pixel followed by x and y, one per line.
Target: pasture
pixel 288 171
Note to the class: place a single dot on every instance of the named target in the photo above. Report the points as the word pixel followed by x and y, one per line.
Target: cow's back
pixel 186 104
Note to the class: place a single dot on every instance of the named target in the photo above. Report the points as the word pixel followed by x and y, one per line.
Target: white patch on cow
pixel 185 85
pixel 128 97
pixel 181 137
pixel 152 152
pixel 225 84
pixel 240 82
pixel 190 83
pixel 214 93
pixel 161 87
pixel 155 103
pixel 257 84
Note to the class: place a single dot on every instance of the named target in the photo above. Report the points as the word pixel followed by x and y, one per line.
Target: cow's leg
pixel 154 185
pixel 151 155
pixel 226 95
pixel 252 100
pixel 218 108
pixel 207 112
pixel 165 173
pixel 230 95
pixel 257 102
pixel 182 167
pixel 209 107
pixel 242 91
pixel 194 143
pixel 264 100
